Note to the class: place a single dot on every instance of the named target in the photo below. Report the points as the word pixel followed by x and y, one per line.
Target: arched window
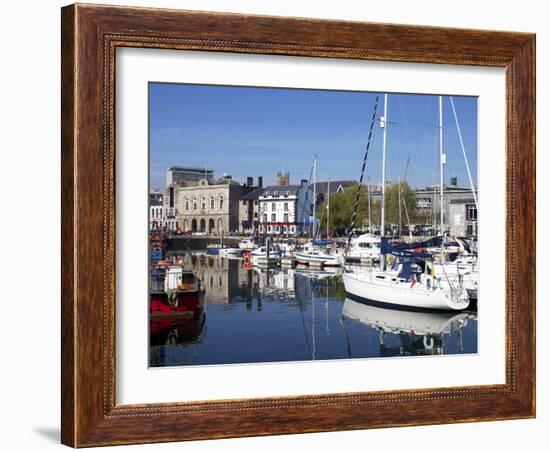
pixel 211 203
pixel 265 217
pixel 221 202
pixel 203 203
pixel 286 206
pixel 273 207
pixel 194 203
pixel 186 203
pixel 286 217
pixel 273 218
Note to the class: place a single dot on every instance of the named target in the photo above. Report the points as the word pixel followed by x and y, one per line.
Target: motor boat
pixel 325 256
pixel 366 246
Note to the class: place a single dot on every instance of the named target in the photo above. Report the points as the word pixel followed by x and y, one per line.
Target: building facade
pixel 155 209
pixel 462 218
pixel 285 209
pixel 212 206
pixel 249 211
pixel 170 221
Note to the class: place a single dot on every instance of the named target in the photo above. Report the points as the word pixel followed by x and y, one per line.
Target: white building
pixel 283 209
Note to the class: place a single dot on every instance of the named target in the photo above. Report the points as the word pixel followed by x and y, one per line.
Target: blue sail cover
pixel 405 249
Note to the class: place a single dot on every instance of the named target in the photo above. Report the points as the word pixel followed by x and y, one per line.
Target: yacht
pixel 366 246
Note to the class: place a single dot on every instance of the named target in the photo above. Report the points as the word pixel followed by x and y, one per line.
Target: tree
pixel 408 200
pixel 341 207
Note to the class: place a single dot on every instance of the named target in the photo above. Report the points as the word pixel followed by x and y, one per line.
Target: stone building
pixel 284 209
pixel 462 218
pixel 428 198
pixel 212 206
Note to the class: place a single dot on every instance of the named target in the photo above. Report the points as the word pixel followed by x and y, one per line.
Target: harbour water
pixel 253 315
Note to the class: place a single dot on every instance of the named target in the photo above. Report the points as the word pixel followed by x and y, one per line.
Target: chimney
pixel 260 182
pixel 249 181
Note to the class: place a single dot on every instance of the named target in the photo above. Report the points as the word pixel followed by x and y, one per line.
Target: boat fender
pixel 428 345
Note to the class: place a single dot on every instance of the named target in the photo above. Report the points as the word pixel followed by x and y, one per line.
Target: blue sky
pixel 247 131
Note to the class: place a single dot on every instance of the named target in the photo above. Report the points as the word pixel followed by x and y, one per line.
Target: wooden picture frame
pixel 90 36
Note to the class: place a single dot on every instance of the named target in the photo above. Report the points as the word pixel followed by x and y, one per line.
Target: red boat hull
pixel 187 303
pixel 175 330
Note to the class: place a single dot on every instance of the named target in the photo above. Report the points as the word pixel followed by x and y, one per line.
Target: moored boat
pixel 247 245
pixel 319 256
pixel 174 292
pixel 365 246
pixel 230 252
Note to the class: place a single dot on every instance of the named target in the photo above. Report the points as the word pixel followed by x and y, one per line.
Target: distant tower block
pixel 283 178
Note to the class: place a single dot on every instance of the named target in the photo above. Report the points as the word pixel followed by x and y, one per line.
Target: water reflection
pixel 265 315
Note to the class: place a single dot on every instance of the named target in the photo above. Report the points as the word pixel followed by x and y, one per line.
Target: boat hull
pixel 399 321
pixel 327 260
pixel 187 303
pixel 407 297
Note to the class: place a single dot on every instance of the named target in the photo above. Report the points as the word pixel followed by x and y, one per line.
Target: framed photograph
pixel 281 225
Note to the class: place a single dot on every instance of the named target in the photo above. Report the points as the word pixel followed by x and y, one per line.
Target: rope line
pixel 354 214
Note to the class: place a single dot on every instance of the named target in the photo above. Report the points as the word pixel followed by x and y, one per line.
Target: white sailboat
pixel 405 285
pixel 427 324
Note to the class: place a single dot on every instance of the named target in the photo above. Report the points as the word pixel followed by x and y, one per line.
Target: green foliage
pixel 341 207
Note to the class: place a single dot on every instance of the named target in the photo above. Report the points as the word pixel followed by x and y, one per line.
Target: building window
pixel 273 207
pixel 221 202
pixel 275 193
pixel 423 203
pixel 203 203
pixel 186 203
pixel 286 206
pixel 194 203
pixel 211 203
pixel 286 217
pixel 471 213
pixel 273 218
pixel 265 217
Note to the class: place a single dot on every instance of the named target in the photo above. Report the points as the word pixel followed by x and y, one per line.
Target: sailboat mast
pixel 314 193
pixel 399 203
pixel 383 124
pixel 368 204
pixel 441 163
pixel 328 207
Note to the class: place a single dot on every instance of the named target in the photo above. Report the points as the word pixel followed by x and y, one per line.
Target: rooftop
pixel 334 185
pixel 463 201
pixel 254 194
pixel 268 191
pixel 190 168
